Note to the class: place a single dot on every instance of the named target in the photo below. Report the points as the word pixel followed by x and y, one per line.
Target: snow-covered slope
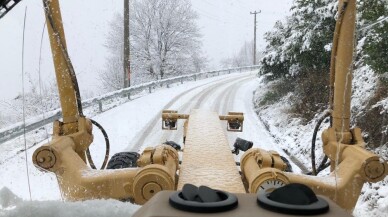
pixel 134 126
pixel 295 137
pixel 13 206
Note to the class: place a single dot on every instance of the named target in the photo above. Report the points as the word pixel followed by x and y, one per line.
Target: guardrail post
pixel 181 80
pixel 99 106
pixel 18 130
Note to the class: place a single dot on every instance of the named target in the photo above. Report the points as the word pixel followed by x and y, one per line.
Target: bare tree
pixel 37 101
pixel 165 41
pixel 111 75
pixel 243 58
pixel 165 36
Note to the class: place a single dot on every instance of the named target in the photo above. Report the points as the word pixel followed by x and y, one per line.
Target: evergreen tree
pixel 374 36
pixel 303 42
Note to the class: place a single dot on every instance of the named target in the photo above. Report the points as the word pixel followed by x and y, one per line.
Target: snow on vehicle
pixel 207 161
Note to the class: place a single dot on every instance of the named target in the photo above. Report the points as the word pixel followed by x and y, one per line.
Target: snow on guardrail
pixel 18 129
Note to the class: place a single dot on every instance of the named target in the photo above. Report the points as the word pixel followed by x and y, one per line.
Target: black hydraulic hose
pixel 67 58
pixel 88 155
pixel 324 164
pixel 320 120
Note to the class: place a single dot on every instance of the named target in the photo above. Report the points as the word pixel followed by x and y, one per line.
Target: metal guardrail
pixel 19 129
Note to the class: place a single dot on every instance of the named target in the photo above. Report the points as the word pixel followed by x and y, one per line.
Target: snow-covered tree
pixel 165 41
pixel 244 57
pixel 298 51
pixel 374 33
pixel 37 101
pixel 372 65
pixel 164 35
pixel 302 42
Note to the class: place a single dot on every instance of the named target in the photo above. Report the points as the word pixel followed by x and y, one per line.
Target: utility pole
pixel 127 60
pixel 254 37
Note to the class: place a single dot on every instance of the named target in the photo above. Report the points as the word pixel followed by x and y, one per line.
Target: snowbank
pixel 11 205
pixel 295 137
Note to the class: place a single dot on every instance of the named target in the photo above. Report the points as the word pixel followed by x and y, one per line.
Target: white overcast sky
pixel 224 24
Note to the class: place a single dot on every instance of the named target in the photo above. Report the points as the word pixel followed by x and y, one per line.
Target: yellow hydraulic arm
pixel 158 167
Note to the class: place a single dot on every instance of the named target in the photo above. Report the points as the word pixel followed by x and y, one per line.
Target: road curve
pixel 137 124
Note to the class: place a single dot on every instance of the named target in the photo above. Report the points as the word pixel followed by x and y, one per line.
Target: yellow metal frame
pixel 65 84
pixel 351 164
pixel 351 167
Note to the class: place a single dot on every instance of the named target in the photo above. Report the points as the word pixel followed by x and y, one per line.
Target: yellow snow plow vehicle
pixel 167 185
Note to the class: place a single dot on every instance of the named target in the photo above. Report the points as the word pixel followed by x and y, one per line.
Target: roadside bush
pixel 277 90
pixel 311 95
pixel 374 121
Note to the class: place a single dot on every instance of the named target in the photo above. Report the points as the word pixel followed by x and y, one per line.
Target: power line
pixel 243 3
pixel 235 15
pixel 373 24
pixel 24 107
pixel 223 22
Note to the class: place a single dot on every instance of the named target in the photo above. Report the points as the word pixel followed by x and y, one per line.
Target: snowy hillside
pixel 134 126
pixel 295 138
pixel 281 103
pixel 273 130
pixel 295 91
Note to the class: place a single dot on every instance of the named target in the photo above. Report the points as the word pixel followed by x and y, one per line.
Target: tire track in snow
pixel 147 129
pixel 202 98
pixel 186 107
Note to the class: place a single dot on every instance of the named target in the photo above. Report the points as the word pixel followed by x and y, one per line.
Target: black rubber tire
pixel 173 144
pixel 289 167
pixel 123 160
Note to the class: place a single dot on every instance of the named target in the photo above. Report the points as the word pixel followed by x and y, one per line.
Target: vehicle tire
pixel 123 160
pixel 289 167
pixel 173 144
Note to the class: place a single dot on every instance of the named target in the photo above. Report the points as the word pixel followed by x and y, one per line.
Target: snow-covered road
pixel 137 124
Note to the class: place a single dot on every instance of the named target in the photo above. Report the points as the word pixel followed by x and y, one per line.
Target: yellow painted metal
pixel 171 117
pixel 263 158
pixel 79 182
pixel 343 70
pixel 233 117
pixel 65 85
pixel 356 166
pixel 258 166
pixel 235 121
pixel 82 138
pixel 207 158
pixel 351 164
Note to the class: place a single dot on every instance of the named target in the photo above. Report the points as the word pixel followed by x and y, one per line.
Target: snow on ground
pixel 288 132
pixel 133 126
pixel 122 123
pixel 136 125
pixel 13 206
pixel 295 138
